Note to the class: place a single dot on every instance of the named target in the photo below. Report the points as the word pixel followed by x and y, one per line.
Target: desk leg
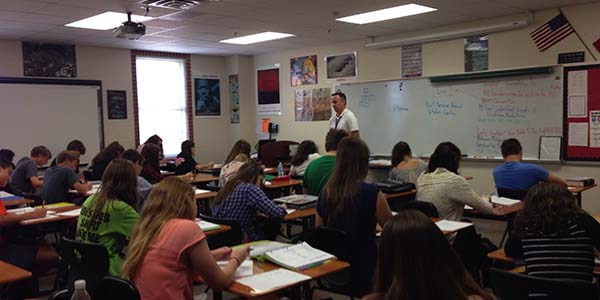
pixel 578 197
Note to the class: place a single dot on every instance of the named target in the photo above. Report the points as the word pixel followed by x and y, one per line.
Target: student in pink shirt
pixel 168 250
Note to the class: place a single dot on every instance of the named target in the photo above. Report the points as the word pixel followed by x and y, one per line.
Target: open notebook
pixel 298 257
pixel 207 226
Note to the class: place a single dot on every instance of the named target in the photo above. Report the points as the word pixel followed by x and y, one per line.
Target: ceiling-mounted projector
pixel 130 30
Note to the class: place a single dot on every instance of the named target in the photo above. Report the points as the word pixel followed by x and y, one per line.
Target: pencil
pixel 43 203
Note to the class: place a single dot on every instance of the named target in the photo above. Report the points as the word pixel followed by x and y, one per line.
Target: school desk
pixel 304 217
pixel 204 178
pixel 52 219
pixel 577 190
pixel 500 255
pixel 278 189
pixel 16 202
pixel 10 273
pixel 203 201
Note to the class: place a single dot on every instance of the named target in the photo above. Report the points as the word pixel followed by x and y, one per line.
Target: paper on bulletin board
pixel 578 134
pixel 595 129
pixel 577 106
pixel 578 83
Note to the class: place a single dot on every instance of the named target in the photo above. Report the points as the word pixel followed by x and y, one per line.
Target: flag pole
pixel 578 36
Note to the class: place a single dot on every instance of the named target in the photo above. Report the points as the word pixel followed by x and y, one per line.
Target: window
pixel 162 101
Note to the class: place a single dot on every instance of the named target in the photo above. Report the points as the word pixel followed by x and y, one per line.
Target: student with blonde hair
pixel 168 250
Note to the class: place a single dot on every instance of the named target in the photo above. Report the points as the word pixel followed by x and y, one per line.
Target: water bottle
pixel 80 292
pixel 280 171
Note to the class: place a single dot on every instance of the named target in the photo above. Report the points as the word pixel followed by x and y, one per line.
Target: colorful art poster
pixel 313 104
pixel 234 96
pixel 476 53
pixel 303 70
pixel 207 97
pixel 117 105
pixel 268 91
pixel 412 61
pixel 49 60
pixel 341 66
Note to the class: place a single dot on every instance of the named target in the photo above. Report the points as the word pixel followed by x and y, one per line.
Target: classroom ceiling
pixel 199 29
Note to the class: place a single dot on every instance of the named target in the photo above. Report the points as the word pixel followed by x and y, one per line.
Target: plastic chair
pixel 229 238
pixel 335 242
pixel 81 260
pixel 514 286
pixel 111 288
pixel 426 208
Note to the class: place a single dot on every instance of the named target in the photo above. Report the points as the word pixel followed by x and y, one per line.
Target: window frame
pixel 188 88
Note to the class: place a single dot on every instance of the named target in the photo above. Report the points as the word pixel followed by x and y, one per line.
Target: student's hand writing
pixel 89 186
pixel 38 213
pixel 223 253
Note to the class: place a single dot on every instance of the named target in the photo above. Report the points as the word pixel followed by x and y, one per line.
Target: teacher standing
pixel 343 119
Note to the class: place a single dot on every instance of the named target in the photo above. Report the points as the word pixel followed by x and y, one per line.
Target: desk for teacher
pixel 10 273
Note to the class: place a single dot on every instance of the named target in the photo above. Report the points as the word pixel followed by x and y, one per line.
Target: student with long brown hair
pixel 103 158
pixel 239 155
pixel 108 216
pixel 306 152
pixel 241 199
pixel 240 147
pixel 168 250
pixel 349 204
pixel 416 262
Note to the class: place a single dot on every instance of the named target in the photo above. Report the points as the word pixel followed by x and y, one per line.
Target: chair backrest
pixel 112 288
pixel 330 240
pixel 272 153
pixel 228 238
pixel 81 260
pixel 426 208
pixel 515 286
pixel 512 194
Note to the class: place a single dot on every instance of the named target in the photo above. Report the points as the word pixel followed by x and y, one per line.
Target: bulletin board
pixel 581 97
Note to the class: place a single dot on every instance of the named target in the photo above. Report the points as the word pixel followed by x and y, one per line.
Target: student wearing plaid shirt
pixel 241 199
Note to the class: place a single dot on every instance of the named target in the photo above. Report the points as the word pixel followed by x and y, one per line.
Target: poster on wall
pixel 234 95
pixel 313 104
pixel 207 93
pixel 341 66
pixel 117 105
pixel 49 60
pixel 412 61
pixel 268 90
pixel 303 70
pixel 476 53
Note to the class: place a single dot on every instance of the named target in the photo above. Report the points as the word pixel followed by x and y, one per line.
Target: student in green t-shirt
pixel 108 217
pixel 319 170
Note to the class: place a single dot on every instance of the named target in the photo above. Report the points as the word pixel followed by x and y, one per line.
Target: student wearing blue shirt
pixel 516 175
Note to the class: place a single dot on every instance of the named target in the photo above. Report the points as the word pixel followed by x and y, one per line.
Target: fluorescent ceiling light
pixel 387 14
pixel 257 38
pixel 107 20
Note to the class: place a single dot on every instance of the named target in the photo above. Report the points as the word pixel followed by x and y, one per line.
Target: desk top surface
pixel 281 184
pixel 10 273
pixel 16 202
pixel 204 178
pixel 52 219
pixel 579 189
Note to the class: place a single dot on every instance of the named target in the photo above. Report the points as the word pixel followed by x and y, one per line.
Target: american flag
pixel 551 32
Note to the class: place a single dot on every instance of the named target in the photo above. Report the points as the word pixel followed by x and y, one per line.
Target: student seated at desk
pixel 168 250
pixel 156 140
pixel 306 152
pixel 144 187
pixel 108 217
pixel 240 147
pixel 25 179
pixel 448 191
pixel 75 146
pixel 554 237
pixel 405 168
pixel 319 170
pixel 151 165
pixel 185 159
pixel 349 204
pixel 58 180
pixel 102 159
pixel 30 255
pixel 8 156
pixel 239 154
pixel 518 176
pixel 415 261
pixel 241 199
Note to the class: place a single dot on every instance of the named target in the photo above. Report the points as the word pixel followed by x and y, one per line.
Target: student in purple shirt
pixel 241 199
pixel 516 175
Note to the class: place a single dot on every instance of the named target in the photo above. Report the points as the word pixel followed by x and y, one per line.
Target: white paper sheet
pixel 550 147
pixel 245 269
pixel 446 225
pixel 577 106
pixel 273 279
pixel 44 218
pixel 261 248
pixel 578 83
pixel 20 211
pixel 199 191
pixel 380 162
pixel 289 210
pixel 8 196
pixel 70 213
pixel 503 200
pixel 595 128
pixel 578 134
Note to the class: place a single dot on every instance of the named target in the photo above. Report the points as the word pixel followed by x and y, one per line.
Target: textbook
pixel 297 201
pixel 580 181
pixel 259 248
pixel 207 226
pixel 298 257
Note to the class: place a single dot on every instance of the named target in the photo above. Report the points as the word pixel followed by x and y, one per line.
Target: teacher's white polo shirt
pixel 346 121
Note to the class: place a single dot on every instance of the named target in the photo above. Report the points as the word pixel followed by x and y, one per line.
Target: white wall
pixel 510 49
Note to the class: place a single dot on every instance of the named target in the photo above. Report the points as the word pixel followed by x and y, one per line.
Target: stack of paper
pixel 71 213
pixel 298 257
pixel 380 162
pixel 504 200
pixel 273 279
pixel 452 226
pixel 245 269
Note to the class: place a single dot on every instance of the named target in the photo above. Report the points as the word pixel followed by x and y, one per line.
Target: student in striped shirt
pixel 555 238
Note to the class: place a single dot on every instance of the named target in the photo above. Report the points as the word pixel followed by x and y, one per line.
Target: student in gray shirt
pixel 24 178
pixel 405 168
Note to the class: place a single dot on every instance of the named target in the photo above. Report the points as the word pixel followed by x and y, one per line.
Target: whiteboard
pixel 49 115
pixel 476 115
